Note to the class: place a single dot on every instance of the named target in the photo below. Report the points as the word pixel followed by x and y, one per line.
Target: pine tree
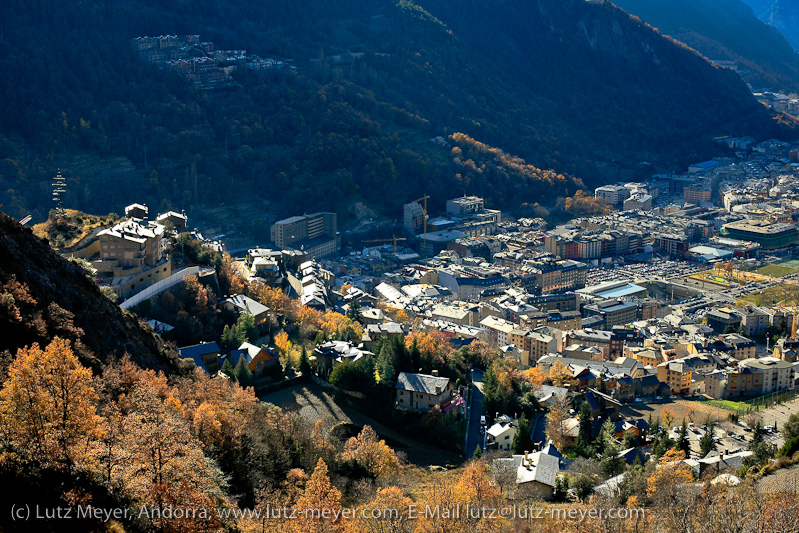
pixel 491 397
pixel 478 452
pixel 600 384
pixel 354 312
pixel 227 339
pixel 522 440
pixel 630 439
pixel 585 435
pixel 708 443
pixel 416 356
pixel 243 374
pixel 607 437
pixel 227 369
pixel 683 443
pixel 611 464
pixel 385 366
pixel 401 355
pixel 305 365
pixel 246 331
pixel 758 435
pixel 288 368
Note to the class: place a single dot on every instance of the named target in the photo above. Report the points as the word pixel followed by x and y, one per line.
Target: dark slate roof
pixel 198 350
pixel 235 355
pixel 649 380
pixel 593 401
pixel 630 454
pixel 421 382
pixel 550 449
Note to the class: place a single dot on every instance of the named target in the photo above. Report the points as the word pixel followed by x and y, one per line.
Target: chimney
pixel 435 373
pixel 526 456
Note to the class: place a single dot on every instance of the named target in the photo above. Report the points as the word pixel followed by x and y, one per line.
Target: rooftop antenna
pixel 59 189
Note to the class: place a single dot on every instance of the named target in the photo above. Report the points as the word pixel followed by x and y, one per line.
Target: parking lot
pixel 639 271
pixel 732 438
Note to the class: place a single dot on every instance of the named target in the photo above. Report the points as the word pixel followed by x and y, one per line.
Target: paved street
pixel 475 411
pixel 538 430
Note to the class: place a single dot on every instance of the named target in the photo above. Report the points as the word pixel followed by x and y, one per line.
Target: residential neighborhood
pixel 669 322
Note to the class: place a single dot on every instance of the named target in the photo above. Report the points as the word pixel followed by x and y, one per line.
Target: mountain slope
pixel 564 85
pixel 725 30
pixel 782 14
pixel 42 295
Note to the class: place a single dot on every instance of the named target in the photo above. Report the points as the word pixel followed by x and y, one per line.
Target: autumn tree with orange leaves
pixel 47 408
pixel 534 376
pixel 317 505
pixel 371 453
pixel 431 344
pixel 335 325
pixel 669 475
pixel 560 375
pixel 389 512
pixel 475 490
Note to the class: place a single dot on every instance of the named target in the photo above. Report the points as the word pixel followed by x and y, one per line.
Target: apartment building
pixel 313 234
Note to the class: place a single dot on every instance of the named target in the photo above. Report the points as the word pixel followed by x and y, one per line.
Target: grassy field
pixel 729 405
pixel 759 403
pixel 780 268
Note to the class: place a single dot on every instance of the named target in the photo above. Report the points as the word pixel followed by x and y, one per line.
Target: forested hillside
pixel 782 14
pixel 566 86
pixel 43 296
pixel 725 30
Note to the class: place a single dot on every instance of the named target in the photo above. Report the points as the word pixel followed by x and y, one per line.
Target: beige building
pixel 498 330
pixel 533 344
pixel 132 256
pixel 313 234
pixel 776 375
pixel 675 374
pixel 132 243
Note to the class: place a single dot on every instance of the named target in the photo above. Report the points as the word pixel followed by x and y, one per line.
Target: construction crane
pixel 771 216
pixel 395 239
pixel 424 212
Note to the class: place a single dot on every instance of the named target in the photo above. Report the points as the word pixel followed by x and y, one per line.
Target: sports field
pixel 780 268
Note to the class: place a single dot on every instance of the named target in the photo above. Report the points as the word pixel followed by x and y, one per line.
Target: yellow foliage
pixel 670 473
pixel 560 375
pixel 334 324
pixel 534 376
pixel 374 455
pixel 47 407
pixel 432 343
pixel 319 494
pixel 393 517
pixel 282 343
